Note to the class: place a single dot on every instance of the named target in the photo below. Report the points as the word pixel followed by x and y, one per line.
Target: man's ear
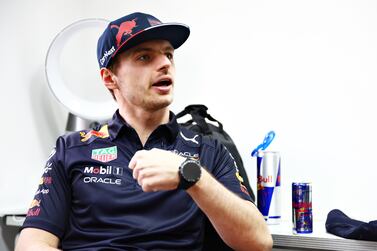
pixel 109 79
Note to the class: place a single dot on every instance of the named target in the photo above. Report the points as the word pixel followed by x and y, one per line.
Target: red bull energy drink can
pixel 302 215
pixel 268 187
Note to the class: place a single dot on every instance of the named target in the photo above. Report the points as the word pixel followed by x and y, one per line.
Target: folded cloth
pixel 341 225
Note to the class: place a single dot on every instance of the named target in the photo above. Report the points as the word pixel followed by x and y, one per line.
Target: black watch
pixel 189 173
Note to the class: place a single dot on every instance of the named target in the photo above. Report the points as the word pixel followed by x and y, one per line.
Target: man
pixel 140 182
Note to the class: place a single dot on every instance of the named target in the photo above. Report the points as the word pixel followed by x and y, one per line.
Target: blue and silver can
pixel 302 215
pixel 268 187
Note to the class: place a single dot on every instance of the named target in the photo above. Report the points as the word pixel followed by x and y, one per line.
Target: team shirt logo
pixel 109 181
pixel 186 154
pixel 104 170
pixel 102 133
pixel 101 173
pixel 238 175
pixel 105 154
pixel 47 167
pixel 34 208
pixel 35 203
pixel 46 180
pixel 52 153
pixel 33 212
pixel 42 191
pixel 190 139
pixel 242 186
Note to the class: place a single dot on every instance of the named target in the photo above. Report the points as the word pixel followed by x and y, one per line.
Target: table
pixel 281 234
pixel 13 216
pixel 318 240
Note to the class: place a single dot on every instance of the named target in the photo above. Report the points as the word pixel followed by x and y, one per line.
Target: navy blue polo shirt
pixel 88 198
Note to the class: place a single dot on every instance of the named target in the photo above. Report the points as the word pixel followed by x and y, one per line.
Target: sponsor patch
pixel 239 177
pixel 242 186
pixel 33 212
pixel 105 154
pixel 124 28
pixel 109 181
pixel 186 154
pixel 47 167
pixel 42 191
pixel 107 54
pixel 244 189
pixel 190 139
pixel 102 133
pixel 35 203
pixel 104 170
pixel 52 153
pixel 45 180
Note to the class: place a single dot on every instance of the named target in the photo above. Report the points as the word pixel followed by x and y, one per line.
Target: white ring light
pixel 80 107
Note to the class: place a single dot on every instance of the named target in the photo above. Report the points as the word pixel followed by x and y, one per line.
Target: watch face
pixel 191 171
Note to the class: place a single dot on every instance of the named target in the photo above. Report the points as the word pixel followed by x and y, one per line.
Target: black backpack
pixel 198 124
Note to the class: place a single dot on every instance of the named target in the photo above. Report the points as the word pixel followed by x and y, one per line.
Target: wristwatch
pixel 189 173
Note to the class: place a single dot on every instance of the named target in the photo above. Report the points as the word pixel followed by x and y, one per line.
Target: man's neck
pixel 144 122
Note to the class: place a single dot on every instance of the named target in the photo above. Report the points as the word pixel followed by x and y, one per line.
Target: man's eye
pixel 169 55
pixel 144 58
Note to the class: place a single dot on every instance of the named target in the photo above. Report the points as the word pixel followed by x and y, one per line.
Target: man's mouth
pixel 163 86
pixel 164 82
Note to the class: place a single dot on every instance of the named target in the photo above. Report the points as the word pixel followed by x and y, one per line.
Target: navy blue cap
pixel 134 29
pixel 340 224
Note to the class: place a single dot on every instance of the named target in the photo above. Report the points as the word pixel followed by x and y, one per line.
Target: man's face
pixel 145 75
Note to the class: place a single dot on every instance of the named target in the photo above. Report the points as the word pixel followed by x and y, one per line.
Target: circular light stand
pixel 85 109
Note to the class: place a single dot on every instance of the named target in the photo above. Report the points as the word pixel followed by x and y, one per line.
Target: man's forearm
pixel 36 247
pixel 237 221
pixel 32 239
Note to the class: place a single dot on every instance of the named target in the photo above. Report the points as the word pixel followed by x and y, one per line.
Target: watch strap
pixel 184 183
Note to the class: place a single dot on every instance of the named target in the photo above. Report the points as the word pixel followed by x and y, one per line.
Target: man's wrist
pixel 189 173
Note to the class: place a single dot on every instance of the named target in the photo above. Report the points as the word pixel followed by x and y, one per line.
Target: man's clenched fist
pixel 156 169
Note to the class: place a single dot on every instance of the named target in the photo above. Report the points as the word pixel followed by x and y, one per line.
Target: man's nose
pixel 164 62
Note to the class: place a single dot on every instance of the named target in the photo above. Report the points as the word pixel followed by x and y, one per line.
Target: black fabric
pixel 341 225
pixel 198 124
pixel 87 195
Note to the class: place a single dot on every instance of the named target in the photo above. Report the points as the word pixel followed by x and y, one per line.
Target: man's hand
pixel 156 169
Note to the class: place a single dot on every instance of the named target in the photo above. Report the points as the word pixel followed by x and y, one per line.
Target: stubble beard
pixel 156 105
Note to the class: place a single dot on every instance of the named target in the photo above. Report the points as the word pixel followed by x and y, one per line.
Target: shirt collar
pixel 117 126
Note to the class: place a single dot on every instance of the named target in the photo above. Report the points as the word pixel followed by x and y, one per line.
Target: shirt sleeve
pixel 218 160
pixel 49 208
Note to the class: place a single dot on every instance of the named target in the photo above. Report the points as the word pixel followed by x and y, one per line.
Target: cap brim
pixel 175 33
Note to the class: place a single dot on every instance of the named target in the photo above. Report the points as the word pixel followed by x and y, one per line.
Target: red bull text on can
pixel 268 190
pixel 302 215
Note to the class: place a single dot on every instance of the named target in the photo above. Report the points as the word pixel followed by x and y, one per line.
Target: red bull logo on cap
pixel 124 28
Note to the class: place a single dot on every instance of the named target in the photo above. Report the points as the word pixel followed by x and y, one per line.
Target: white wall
pixel 306 69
